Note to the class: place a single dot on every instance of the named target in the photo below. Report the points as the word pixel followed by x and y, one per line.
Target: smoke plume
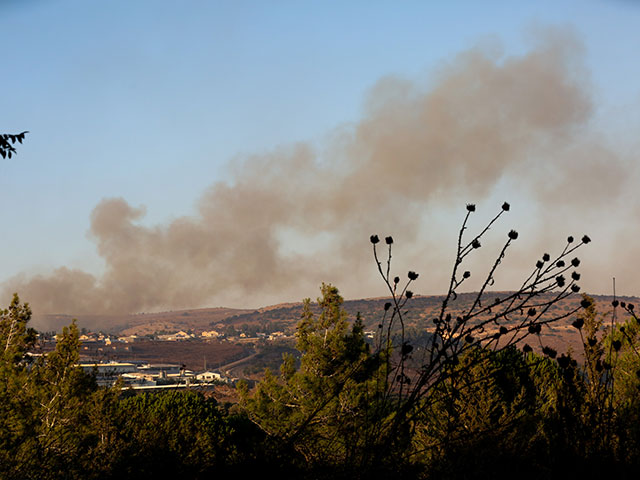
pixel 481 127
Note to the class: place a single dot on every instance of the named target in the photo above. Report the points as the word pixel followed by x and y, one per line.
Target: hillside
pixel 141 323
pixel 418 313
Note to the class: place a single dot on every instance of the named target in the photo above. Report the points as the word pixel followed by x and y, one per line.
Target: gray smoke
pixel 292 218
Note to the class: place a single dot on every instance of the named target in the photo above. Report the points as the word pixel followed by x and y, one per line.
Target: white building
pixel 211 334
pixel 209 377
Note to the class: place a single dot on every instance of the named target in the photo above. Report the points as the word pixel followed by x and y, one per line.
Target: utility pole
pixel 615 303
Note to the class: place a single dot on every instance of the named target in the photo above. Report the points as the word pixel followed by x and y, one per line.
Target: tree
pixel 62 391
pixel 321 409
pixel 623 345
pixel 17 426
pixel 171 434
pixel 45 427
pixel 15 337
pixel 491 424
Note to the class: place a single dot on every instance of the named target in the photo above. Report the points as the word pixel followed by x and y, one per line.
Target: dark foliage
pixel 8 141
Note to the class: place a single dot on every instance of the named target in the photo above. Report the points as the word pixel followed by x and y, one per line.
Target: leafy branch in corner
pixel 7 142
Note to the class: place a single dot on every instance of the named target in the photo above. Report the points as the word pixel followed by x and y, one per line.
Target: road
pixel 226 368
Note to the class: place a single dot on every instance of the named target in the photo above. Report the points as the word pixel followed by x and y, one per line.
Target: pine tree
pixel 321 408
pixel 17 410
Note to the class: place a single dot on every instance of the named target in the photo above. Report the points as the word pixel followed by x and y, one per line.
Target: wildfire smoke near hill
pixel 483 127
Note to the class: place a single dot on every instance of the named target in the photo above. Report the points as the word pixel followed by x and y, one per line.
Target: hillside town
pixel 113 359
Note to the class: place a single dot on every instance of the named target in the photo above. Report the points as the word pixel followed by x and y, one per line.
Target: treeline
pixel 55 423
pixel 490 413
pixel 498 413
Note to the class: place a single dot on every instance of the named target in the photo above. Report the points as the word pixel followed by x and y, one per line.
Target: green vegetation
pixel 320 409
pixel 269 356
pixel 56 423
pixel 470 399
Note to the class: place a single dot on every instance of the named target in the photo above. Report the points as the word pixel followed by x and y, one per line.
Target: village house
pixel 211 334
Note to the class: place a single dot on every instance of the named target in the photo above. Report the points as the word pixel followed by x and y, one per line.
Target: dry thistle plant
pixel 493 324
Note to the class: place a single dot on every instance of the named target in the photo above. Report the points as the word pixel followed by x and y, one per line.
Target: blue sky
pixel 154 102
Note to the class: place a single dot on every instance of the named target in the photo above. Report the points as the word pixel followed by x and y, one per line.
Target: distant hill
pixel 255 356
pixel 419 311
pixel 142 323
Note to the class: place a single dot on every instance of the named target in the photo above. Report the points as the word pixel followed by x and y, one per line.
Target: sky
pixel 214 153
